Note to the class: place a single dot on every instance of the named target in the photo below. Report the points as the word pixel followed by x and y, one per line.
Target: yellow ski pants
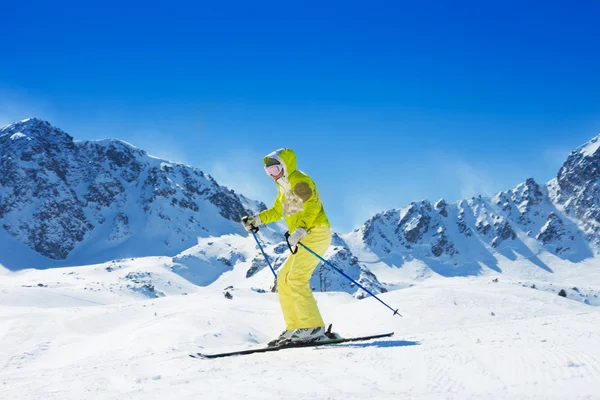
pixel 297 301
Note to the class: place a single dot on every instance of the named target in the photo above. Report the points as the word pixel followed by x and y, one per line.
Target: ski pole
pixel 287 235
pixel 254 230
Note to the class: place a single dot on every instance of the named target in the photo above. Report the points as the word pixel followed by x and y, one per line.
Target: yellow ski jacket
pixel 298 200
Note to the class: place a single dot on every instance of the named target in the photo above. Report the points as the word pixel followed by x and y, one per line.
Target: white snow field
pixel 459 338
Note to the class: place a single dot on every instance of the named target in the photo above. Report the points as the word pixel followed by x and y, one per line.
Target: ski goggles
pixel 274 170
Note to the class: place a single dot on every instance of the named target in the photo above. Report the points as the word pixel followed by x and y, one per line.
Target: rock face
pixel 577 188
pixel 58 195
pixel 553 231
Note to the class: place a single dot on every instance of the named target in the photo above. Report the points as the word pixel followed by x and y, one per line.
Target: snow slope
pixel 459 338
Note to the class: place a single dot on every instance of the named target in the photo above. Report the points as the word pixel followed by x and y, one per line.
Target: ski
pixel 290 346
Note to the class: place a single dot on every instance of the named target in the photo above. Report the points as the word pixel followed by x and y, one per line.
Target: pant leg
pixel 285 296
pixel 304 263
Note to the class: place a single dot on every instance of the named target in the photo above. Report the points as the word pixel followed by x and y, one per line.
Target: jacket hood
pixel 286 157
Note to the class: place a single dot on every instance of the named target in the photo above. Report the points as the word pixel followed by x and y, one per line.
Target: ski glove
pixel 251 223
pixel 297 236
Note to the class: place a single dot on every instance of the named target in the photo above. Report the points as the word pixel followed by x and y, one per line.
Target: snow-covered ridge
pixel 544 225
pixel 590 148
pixel 467 237
pixel 81 202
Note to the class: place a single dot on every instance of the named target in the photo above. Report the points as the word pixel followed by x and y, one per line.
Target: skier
pixel 299 204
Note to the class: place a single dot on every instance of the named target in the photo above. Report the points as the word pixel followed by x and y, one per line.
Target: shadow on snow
pixel 379 344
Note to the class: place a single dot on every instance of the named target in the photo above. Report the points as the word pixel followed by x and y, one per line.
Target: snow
pixel 17 135
pixel 590 148
pixel 459 338
pixel 108 141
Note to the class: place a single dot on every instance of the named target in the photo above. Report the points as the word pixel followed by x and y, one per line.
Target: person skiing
pixel 299 204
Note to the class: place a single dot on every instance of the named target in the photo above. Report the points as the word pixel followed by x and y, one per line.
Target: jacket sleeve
pixel 307 191
pixel 272 214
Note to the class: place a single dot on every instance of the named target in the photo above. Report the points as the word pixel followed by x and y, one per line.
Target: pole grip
pixel 254 229
pixel 287 239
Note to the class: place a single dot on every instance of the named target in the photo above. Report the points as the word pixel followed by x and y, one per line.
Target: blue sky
pixel 385 102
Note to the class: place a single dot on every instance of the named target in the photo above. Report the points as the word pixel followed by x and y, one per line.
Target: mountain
pixel 577 188
pixel 556 221
pixel 66 202
pixel 90 201
pixel 543 234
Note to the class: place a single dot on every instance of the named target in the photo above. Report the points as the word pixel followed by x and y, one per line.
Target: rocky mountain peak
pixel 35 128
pixel 577 187
pixel 34 136
pixel 59 196
pixel 582 167
pixel 449 237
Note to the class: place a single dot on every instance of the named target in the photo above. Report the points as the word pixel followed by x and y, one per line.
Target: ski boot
pixel 285 335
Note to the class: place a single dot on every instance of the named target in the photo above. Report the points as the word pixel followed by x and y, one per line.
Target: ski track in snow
pixel 447 346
